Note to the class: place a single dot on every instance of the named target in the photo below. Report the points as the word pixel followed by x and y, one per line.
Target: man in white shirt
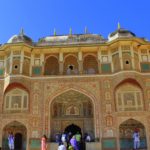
pixel 136 137
pixel 61 146
pixel 11 139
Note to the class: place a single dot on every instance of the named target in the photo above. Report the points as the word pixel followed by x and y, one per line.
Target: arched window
pixel 16 99
pixel 51 66
pixel 71 65
pixel 90 65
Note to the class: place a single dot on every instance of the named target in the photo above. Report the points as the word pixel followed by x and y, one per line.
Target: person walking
pixel 136 138
pixel 44 142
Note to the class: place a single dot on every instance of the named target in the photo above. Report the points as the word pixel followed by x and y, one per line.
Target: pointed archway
pixel 71 107
pixel 126 130
pixel 20 133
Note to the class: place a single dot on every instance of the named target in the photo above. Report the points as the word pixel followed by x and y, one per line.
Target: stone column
pixel 140 59
pixel 11 62
pixel 110 60
pixel 21 62
pixel 42 62
pixel 132 57
pixel 31 63
pixel 118 139
pixel 120 57
pixel 147 136
pixel 99 61
pixel 80 62
pixel 5 60
pixel 61 63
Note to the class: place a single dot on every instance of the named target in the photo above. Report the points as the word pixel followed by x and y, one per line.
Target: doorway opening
pixel 127 129
pixel 73 129
pixel 18 141
pixel 20 133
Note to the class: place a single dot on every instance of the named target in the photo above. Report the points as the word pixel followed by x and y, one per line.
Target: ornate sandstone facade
pixel 101 86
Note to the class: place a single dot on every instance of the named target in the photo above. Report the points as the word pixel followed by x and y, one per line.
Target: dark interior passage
pixel 73 129
pixel 18 141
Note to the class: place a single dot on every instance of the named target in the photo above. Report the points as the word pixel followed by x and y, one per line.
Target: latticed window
pixel 144 58
pixel 129 98
pixel 16 99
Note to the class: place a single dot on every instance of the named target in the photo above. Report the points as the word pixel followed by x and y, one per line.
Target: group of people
pixel 68 141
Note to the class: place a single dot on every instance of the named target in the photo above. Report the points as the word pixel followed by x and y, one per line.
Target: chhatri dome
pixel 120 33
pixel 20 38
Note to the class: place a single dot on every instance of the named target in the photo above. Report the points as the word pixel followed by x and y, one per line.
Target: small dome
pixel 121 33
pixel 21 38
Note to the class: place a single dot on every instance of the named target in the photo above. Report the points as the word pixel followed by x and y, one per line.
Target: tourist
pixel 88 138
pixel 63 137
pixel 44 142
pixel 78 138
pixel 58 137
pixel 73 143
pixel 70 147
pixel 11 140
pixel 61 146
pixel 136 138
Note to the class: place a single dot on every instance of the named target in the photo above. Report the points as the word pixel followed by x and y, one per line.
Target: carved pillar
pixel 132 57
pixel 42 62
pixel 120 57
pixel 140 59
pixel 80 62
pixel 5 61
pixel 31 63
pixel 11 62
pixel 99 60
pixel 61 68
pixel 147 129
pixel 21 62
pixel 110 60
pixel 118 139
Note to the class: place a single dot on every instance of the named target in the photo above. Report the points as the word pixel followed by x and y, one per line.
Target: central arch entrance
pixel 20 133
pixel 73 129
pixel 71 111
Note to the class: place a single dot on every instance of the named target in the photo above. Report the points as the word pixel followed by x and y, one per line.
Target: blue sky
pixel 40 17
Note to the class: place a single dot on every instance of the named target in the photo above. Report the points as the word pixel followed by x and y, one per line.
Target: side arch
pixel 129 96
pixel 16 128
pixel 16 98
pixel 126 130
